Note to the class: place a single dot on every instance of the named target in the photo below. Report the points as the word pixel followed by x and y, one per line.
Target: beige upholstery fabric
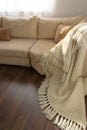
pixel 16 47
pixel 15 61
pixel 47 26
pixel 0 21
pixel 5 34
pixel 40 47
pixel 37 66
pixel 21 27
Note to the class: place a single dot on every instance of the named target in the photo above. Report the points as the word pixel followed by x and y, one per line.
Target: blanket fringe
pixel 51 114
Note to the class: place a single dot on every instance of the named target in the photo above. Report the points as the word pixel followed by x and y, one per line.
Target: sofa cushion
pixel 47 26
pixel 40 47
pixel 61 32
pixel 16 47
pixel 37 67
pixel 15 61
pixel 5 34
pixel 23 27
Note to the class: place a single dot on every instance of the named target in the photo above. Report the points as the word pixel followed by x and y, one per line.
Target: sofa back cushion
pixel 0 22
pixel 21 27
pixel 5 34
pixel 47 26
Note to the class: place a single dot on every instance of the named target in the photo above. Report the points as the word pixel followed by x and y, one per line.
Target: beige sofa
pixel 30 39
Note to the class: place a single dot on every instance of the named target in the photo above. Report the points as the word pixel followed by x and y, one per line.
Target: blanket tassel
pixel 66 124
pixel 51 114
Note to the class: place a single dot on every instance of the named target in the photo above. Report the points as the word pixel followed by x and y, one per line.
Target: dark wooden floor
pixel 19 108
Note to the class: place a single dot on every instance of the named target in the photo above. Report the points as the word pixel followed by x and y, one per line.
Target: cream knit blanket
pixel 61 94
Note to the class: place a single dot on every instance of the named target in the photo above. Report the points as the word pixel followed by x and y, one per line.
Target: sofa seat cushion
pixel 40 47
pixel 16 47
pixel 20 61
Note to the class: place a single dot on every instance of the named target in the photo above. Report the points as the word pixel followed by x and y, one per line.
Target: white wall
pixel 70 8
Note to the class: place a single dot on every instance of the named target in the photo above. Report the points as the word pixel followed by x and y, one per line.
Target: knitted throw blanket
pixel 61 94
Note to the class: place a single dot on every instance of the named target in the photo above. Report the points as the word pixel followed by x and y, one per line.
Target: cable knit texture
pixel 61 94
